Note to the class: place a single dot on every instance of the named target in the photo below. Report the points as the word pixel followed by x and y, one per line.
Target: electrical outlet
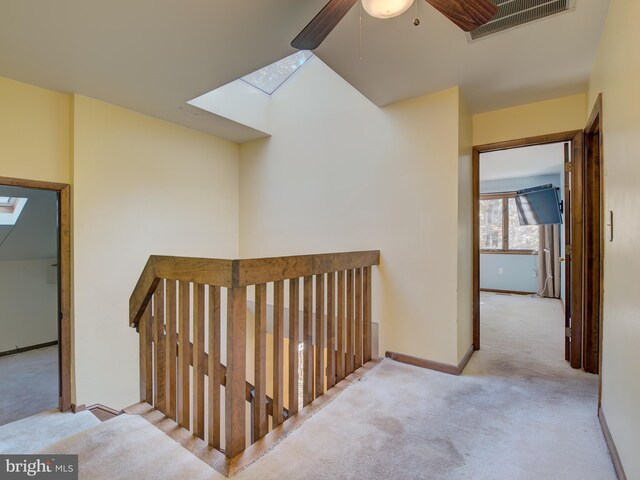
pixel 500 271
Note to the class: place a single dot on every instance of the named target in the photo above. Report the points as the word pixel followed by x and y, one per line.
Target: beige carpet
pixel 128 447
pixel 28 383
pixel 36 432
pixel 518 412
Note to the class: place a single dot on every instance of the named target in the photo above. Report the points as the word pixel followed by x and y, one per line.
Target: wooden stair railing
pixel 180 297
pixel 249 388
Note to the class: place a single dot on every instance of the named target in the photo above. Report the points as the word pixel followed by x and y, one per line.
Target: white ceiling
pixel 152 56
pixel 34 236
pixel 538 61
pixel 522 162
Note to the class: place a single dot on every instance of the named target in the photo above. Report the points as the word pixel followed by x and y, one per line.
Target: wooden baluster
pixel 171 349
pixel 307 312
pixel 149 367
pixel 214 366
pixel 366 307
pixel 159 400
pixel 145 337
pixel 350 326
pixel 331 337
pixel 340 354
pixel 358 337
pixel 319 350
pixel 278 353
pixel 294 338
pixel 259 417
pixel 198 360
pixel 236 368
pixel 184 354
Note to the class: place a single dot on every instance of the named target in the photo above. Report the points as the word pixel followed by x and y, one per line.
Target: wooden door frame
pixel 594 239
pixel 64 279
pixel 575 138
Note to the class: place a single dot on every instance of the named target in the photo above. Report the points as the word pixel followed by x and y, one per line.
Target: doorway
pixel 574 266
pixel 35 346
pixel 519 255
pixel 522 255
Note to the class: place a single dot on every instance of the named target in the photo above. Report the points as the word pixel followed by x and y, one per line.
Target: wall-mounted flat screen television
pixel 539 205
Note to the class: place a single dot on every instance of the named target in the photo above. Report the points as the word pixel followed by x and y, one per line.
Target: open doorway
pixel 522 246
pixel 35 331
pixel 515 257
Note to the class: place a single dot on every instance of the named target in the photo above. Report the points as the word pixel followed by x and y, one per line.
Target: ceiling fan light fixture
pixel 386 8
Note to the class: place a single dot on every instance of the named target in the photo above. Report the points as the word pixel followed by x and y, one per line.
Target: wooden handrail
pixel 238 273
pixel 210 271
pixel 262 270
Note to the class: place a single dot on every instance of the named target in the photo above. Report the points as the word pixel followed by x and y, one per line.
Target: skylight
pixel 268 79
pixel 10 209
pixel 247 100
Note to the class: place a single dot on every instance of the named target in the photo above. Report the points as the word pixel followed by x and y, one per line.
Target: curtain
pixel 549 261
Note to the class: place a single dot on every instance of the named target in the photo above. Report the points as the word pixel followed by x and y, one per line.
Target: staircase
pixel 237 383
pixel 143 443
pixel 31 434
pixel 127 447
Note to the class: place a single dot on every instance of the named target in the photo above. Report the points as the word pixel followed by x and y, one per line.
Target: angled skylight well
pixel 10 209
pixel 247 100
pixel 268 79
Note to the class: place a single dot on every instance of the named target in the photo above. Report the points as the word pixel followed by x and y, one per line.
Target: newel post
pixel 236 371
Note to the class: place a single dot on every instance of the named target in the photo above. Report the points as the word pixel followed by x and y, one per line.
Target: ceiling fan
pixel 466 14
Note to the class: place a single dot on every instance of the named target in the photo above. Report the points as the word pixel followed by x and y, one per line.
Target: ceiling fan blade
pixel 467 14
pixel 313 34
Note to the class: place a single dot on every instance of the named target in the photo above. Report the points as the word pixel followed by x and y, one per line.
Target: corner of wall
pixel 465 234
pixel 72 135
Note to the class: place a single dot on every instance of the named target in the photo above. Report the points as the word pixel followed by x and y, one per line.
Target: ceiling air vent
pixel 514 13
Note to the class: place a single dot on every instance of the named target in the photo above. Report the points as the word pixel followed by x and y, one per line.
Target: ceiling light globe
pixel 386 8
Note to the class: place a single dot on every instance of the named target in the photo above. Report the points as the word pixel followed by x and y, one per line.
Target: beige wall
pixel 533 119
pixel 340 174
pixel 141 186
pixel 34 133
pixel 616 73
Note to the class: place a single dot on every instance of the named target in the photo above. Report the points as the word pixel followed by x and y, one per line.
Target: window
pixel 7 202
pixel 268 79
pixel 500 229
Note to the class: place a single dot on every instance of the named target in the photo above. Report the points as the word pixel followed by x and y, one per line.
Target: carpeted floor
pixel 28 383
pixel 518 412
pixel 36 432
